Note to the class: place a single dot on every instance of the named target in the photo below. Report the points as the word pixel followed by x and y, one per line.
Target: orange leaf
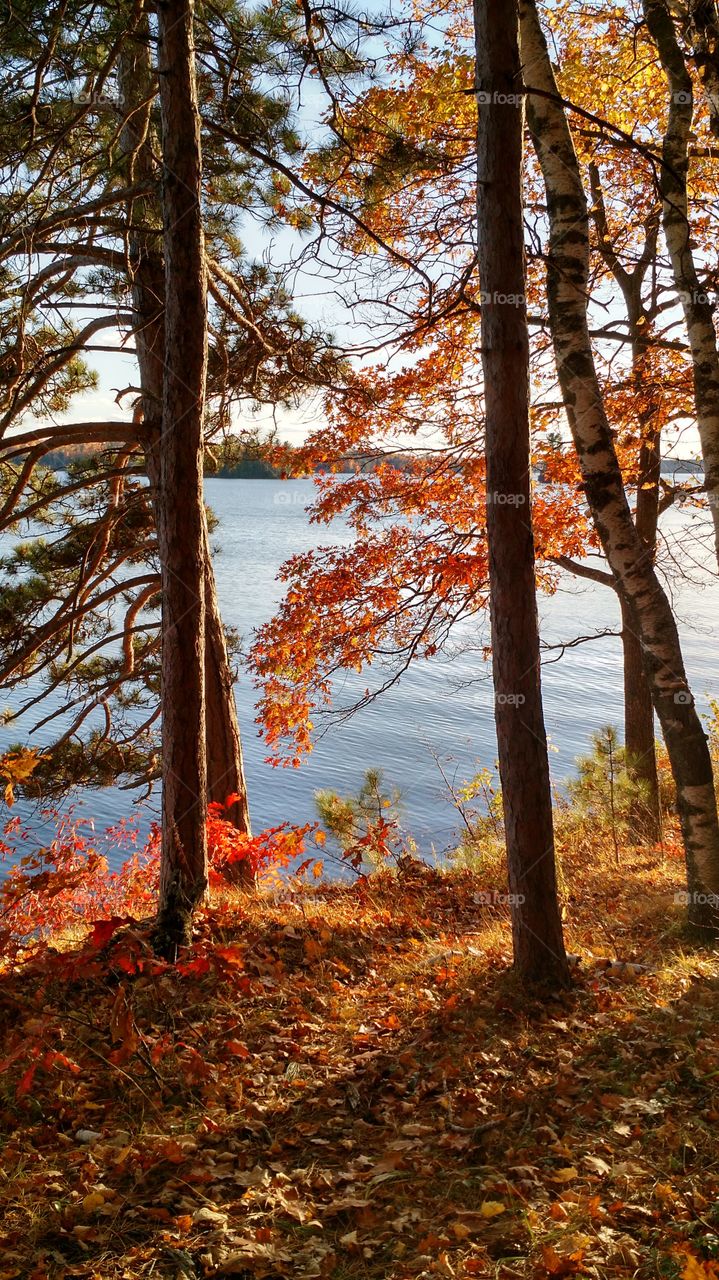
pixel 557 1264
pixel 237 1049
pixel 231 955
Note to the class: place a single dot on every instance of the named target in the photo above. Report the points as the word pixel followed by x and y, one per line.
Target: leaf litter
pixel 344 1081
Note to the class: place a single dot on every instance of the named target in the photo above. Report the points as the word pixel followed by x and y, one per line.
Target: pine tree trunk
pixel 181 514
pixel 644 601
pixel 225 769
pixel 697 307
pixel 539 954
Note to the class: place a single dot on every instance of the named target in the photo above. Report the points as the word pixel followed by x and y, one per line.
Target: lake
pixel 441 708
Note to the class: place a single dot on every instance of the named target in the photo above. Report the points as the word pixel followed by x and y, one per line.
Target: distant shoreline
pixel 255 468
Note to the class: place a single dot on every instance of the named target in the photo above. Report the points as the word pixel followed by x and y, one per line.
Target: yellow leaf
pixel 568 1174
pixel 695 1269
pixel 461 1231
pixel 491 1208
pixel 665 1193
pixel 95 1200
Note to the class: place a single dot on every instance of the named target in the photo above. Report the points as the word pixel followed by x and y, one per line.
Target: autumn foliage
pixel 67 887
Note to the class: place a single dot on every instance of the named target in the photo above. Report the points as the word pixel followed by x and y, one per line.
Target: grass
pixel 349 1084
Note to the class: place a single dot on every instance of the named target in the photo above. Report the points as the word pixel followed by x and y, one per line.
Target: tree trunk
pixel 704 35
pixel 640 746
pixel 697 307
pixel 646 604
pixel 225 766
pixel 639 740
pixel 225 769
pixel 181 515
pixel 639 737
pixel 539 954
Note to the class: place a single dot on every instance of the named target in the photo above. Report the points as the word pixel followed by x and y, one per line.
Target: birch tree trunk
pixel 647 608
pixel 639 740
pixel 181 515
pixel 539 954
pixel 697 307
pixel 704 35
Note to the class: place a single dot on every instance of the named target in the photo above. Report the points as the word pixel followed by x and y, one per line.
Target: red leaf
pixel 25 1083
pixel 102 930
pixel 198 966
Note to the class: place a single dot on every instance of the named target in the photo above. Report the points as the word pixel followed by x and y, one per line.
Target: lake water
pixel 440 708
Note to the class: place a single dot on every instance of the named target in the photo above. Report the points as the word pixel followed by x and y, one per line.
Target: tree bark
pixel 704 36
pixel 181 515
pixel 639 736
pixel 225 768
pixel 698 309
pixel 645 602
pixel 225 765
pixel 639 740
pixel 539 954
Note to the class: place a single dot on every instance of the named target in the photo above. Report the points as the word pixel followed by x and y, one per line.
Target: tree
pixel 223 746
pixel 102 122
pixel 673 184
pixel 646 603
pixel 639 734
pixel 181 527
pixel 368 618
pixel 539 954
pixel 77 267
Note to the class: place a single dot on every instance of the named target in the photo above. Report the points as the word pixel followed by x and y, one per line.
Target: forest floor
pixel 345 1082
